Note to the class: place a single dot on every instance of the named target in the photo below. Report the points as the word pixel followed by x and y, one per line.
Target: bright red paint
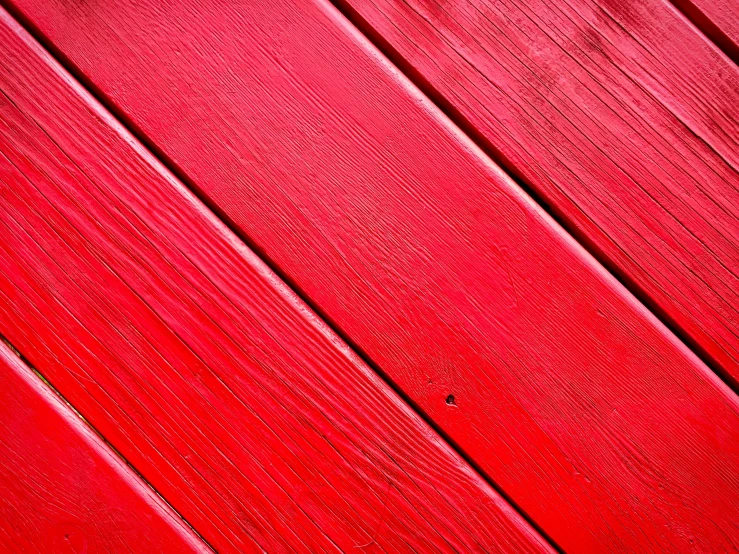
pixel 63 490
pixel 620 116
pixel 595 420
pixel 220 387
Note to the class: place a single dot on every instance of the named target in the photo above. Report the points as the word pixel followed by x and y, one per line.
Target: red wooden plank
pixel 63 490
pixel 585 410
pixel 620 116
pixel 251 418
pixel 717 19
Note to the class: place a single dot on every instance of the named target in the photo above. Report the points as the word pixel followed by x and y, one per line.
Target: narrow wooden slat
pixel 620 116
pixel 63 490
pixel 252 419
pixel 717 19
pixel 601 426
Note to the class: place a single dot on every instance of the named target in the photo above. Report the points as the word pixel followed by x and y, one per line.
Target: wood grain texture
pixel 717 19
pixel 228 395
pixel 600 425
pixel 63 490
pixel 620 116
pixel 567 393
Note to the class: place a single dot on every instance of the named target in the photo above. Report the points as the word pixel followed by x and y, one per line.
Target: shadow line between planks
pixel 87 424
pixel 178 173
pixel 490 150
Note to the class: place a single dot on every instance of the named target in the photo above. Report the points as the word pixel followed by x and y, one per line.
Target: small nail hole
pixel 450 400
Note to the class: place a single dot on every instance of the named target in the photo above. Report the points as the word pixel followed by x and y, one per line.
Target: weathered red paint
pixel 211 378
pixel 620 116
pixel 63 489
pixel 591 416
pixel 717 19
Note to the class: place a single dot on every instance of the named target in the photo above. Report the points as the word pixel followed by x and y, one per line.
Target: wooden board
pixel 717 19
pixel 620 116
pixel 564 390
pixel 63 490
pixel 219 386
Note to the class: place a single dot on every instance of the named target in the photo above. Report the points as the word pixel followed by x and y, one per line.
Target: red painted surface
pixel 227 394
pixel 62 489
pixel 595 420
pixel 717 19
pixel 620 116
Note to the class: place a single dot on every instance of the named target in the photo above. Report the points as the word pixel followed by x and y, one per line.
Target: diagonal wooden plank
pixel 63 490
pixel 251 418
pixel 623 120
pixel 717 19
pixel 563 389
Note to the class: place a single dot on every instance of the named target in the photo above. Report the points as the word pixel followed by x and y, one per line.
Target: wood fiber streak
pixel 593 418
pixel 63 490
pixel 620 116
pixel 718 19
pixel 208 375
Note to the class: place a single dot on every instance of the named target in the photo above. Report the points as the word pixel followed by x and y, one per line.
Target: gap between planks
pixel 343 23
pixel 468 129
pixel 105 441
pixel 490 150
pixel 711 30
pixel 170 165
